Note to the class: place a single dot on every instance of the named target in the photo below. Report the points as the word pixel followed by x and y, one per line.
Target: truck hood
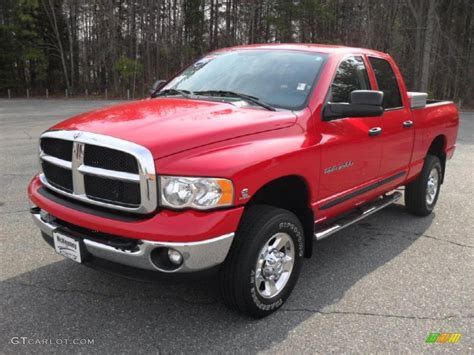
pixel 170 125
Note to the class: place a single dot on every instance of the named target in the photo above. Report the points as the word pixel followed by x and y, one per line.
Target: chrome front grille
pixel 99 170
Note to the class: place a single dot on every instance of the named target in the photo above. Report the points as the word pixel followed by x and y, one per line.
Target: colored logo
pixel 443 338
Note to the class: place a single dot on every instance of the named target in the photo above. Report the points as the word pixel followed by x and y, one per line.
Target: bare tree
pixel 426 62
pixel 50 11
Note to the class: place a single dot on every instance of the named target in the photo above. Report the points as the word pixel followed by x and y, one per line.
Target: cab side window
pixel 387 82
pixel 351 75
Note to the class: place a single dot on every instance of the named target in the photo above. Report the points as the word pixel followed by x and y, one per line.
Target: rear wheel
pixel 264 261
pixel 422 194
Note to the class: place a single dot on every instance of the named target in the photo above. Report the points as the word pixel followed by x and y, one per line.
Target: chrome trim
pixel 56 161
pixel 196 255
pixel 417 99
pixel 358 216
pixel 146 169
pixel 78 185
pixel 111 174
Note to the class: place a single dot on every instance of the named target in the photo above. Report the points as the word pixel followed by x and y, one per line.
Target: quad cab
pixel 239 163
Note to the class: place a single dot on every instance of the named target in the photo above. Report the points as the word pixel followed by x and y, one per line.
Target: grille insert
pixel 58 148
pixel 106 158
pixel 112 191
pixel 58 177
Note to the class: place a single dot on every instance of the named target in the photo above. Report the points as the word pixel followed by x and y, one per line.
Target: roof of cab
pixel 313 47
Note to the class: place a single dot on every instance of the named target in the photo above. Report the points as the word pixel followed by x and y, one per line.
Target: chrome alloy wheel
pixel 432 186
pixel 274 265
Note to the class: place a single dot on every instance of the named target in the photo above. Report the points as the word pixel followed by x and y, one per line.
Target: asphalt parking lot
pixel 381 285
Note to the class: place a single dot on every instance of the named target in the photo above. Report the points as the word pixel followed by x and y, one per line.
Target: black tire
pixel 416 200
pixel 237 278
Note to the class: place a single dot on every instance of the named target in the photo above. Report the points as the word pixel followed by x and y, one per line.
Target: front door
pixel 350 154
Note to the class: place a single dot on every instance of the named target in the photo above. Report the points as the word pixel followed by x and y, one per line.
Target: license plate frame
pixel 68 246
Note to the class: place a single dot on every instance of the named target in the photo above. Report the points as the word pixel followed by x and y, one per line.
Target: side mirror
pixel 364 103
pixel 156 86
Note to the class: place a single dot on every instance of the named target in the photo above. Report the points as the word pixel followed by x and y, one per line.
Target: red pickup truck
pixel 239 163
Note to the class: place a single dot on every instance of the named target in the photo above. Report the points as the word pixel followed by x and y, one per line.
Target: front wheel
pixel 264 261
pixel 422 194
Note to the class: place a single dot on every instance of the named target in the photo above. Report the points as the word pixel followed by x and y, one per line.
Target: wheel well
pixel 437 149
pixel 290 193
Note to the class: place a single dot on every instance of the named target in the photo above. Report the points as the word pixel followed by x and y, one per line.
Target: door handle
pixel 407 124
pixel 375 131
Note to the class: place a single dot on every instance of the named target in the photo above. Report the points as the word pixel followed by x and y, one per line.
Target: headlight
pixel 199 193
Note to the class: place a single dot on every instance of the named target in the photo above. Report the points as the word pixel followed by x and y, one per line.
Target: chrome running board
pixel 356 216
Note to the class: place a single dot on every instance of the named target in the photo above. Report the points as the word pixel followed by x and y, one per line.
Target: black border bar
pixel 361 191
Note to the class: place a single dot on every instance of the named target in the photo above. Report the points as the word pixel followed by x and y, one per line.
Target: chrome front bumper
pixel 196 255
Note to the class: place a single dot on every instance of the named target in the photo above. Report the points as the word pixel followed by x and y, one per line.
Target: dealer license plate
pixel 67 246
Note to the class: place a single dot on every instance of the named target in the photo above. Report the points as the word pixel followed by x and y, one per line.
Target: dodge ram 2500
pixel 240 162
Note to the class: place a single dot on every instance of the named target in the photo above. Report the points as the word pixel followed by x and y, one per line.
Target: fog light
pixel 175 256
pixel 46 217
pixel 166 259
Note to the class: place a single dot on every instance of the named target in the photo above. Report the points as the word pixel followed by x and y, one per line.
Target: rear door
pixel 350 156
pixel 397 126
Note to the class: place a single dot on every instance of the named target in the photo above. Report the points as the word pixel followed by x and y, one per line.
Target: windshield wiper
pixel 245 97
pixel 166 92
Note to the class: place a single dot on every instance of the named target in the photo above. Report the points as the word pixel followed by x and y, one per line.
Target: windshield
pixel 279 78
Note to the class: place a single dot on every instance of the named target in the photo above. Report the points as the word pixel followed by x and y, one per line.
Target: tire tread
pixel 415 200
pixel 253 220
